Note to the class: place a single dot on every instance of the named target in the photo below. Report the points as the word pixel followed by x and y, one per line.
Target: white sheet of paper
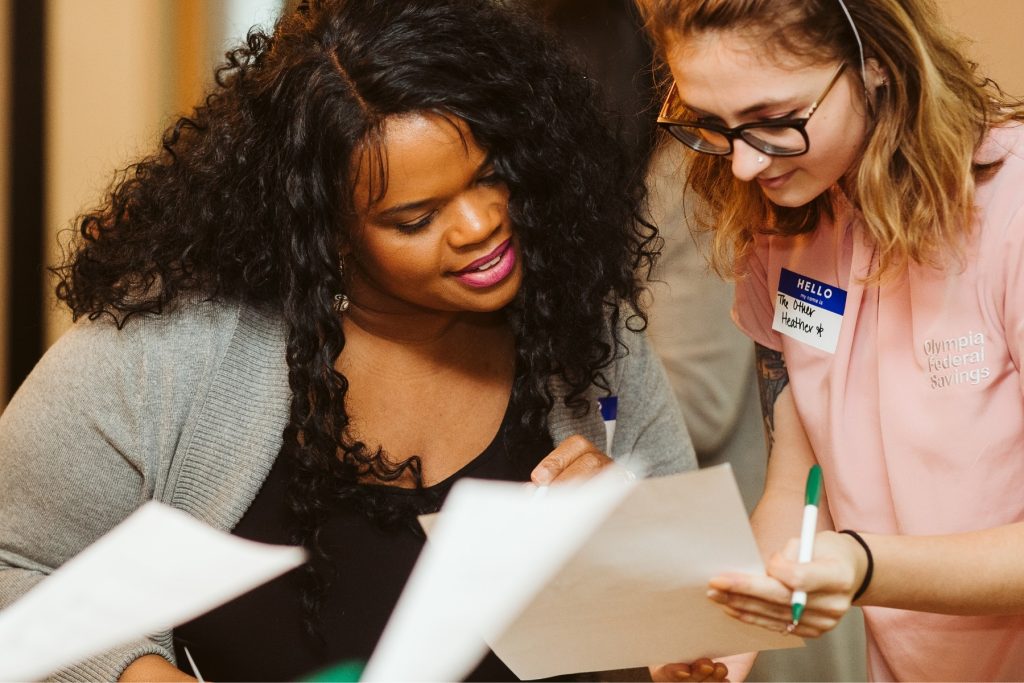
pixel 490 551
pixel 160 567
pixel 635 593
pixel 604 575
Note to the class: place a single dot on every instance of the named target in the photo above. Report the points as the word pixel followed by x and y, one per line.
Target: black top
pixel 260 636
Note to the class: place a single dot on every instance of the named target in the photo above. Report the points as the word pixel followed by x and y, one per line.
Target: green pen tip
pixel 812 494
pixel 798 610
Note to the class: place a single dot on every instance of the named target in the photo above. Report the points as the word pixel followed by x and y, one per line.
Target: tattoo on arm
pixel 772 378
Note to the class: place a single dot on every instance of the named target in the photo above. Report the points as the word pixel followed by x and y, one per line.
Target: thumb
pixel 792 550
pixel 547 469
pixel 782 563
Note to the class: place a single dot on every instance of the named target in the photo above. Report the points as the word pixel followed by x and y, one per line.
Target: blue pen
pixel 609 406
pixel 812 498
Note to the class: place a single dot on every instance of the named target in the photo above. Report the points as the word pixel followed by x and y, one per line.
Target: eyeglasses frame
pixel 731 134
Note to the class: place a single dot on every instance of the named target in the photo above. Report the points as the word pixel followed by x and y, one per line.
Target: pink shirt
pixel 917 419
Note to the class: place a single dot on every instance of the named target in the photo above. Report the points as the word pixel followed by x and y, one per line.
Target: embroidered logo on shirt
pixel 957 360
pixel 809 311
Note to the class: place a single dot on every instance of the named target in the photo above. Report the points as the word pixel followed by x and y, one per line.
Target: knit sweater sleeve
pixel 650 435
pixel 87 439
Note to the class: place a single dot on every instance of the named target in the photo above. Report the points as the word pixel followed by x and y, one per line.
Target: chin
pixel 492 301
pixel 793 197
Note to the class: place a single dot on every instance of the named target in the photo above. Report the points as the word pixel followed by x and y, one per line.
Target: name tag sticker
pixel 809 311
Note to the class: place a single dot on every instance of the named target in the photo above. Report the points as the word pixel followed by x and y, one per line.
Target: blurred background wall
pixel 993 28
pixel 87 84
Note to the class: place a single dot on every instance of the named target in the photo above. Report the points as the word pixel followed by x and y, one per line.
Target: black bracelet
pixel 871 563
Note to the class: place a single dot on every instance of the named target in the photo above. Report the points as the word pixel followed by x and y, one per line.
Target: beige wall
pixel 120 71
pixel 995 30
pixel 104 104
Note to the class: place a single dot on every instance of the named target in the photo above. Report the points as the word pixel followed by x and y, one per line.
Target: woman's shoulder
pixel 193 329
pixel 174 352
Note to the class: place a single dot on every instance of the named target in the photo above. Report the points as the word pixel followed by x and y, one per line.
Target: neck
pixel 413 347
pixel 424 334
pixel 408 327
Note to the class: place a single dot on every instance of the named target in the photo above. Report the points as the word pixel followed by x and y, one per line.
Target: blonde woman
pixel 866 187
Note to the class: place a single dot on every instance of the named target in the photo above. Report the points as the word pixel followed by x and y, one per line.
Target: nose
pixel 747 162
pixel 478 214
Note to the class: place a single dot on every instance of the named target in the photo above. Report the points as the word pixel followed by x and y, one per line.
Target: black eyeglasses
pixel 780 138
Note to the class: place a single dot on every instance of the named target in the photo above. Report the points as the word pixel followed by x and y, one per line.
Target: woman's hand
pixel 574 458
pixel 704 669
pixel 830 580
pixel 153 668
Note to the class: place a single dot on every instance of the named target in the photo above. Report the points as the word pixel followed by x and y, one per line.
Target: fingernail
pixel 721 583
pixel 541 476
pixel 681 675
pixel 713 594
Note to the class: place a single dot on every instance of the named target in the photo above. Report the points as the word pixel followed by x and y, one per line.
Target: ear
pixel 877 75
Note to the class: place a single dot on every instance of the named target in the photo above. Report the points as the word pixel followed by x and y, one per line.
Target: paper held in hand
pixel 160 567
pixel 609 574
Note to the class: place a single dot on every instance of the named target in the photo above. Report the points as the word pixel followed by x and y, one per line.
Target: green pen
pixel 812 497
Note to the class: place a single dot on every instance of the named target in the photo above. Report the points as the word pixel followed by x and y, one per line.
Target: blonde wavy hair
pixel 915 180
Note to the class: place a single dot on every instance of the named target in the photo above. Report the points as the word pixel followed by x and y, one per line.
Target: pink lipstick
pixel 489 270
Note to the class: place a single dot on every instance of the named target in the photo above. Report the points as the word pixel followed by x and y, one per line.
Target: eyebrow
pixel 394 211
pixel 747 111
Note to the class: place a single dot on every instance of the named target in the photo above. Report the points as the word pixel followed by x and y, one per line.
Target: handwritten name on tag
pixel 809 311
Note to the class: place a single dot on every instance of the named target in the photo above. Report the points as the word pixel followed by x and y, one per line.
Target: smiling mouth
pixel 485 266
pixel 776 180
pixel 489 270
pixel 486 262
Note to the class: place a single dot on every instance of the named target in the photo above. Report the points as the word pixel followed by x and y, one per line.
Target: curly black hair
pixel 250 199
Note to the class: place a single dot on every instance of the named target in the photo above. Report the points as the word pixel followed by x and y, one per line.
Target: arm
pixel 939 574
pixel 764 600
pixel 924 573
pixel 71 468
pixel 650 436
pixel 777 516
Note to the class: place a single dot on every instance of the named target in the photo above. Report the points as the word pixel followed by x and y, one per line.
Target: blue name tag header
pixel 829 297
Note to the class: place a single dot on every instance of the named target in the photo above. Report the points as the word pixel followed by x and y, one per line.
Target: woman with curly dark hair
pixel 395 246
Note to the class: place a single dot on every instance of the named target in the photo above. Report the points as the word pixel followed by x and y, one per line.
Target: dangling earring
pixel 341 301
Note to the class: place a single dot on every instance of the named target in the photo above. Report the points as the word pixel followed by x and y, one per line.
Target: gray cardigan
pixel 188 408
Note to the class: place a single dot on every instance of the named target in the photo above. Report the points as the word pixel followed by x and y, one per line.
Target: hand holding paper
pixel 574 458
pixel 615 572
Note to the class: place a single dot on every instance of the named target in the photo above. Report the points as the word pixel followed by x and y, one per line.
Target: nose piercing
pixel 760 159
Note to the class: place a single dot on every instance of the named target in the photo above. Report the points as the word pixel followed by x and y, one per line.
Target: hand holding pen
pixel 808 586
pixel 812 500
